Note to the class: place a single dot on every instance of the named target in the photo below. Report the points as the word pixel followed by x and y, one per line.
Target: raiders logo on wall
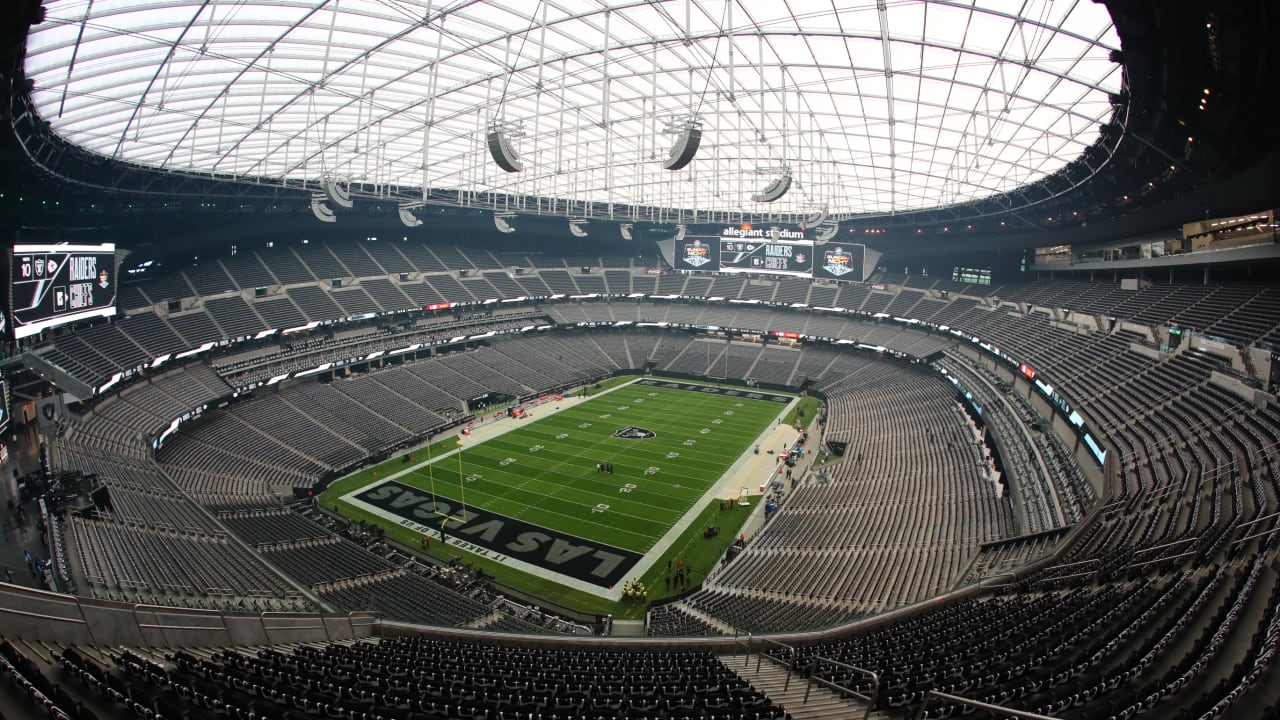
pixel 631 432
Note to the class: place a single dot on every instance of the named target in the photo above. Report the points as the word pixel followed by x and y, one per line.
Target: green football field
pixel 544 472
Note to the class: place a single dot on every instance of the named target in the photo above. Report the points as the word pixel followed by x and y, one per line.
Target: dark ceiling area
pixel 1200 141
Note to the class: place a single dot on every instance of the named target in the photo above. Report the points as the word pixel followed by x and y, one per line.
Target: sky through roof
pixel 871 107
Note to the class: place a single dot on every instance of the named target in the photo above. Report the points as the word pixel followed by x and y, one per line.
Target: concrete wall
pixel 1261 360
pixel 1145 351
pixel 1083 319
pixel 1143 330
pixel 1227 352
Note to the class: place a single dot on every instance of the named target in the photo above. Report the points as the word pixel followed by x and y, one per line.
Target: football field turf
pixel 667 443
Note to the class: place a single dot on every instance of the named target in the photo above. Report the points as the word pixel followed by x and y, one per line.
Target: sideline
pixel 748 473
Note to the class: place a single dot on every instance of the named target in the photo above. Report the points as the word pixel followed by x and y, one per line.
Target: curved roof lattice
pixel 871 107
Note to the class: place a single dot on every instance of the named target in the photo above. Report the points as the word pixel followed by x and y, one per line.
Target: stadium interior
pixel 971 306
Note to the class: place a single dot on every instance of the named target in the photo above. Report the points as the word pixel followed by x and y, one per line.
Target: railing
pixel 790 664
pixel 745 643
pixel 934 694
pixel 54 617
pixel 988 582
pixel 869 701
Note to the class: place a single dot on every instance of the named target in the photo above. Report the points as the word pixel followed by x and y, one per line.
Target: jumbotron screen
pixel 839 262
pixel 771 257
pixel 56 283
pixel 697 254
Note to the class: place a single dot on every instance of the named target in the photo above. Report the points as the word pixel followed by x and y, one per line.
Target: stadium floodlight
pixel 577 229
pixel 775 189
pixel 826 231
pixel 338 195
pixel 321 209
pixel 500 147
pixel 407 217
pixel 502 222
pixel 625 229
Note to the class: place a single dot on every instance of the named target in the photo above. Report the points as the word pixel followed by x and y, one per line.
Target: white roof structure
pixel 870 106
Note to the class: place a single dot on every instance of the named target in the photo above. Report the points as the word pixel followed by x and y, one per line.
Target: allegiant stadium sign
pixel 762 233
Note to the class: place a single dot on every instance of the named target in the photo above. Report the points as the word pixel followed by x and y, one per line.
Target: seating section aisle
pixel 140 563
pixel 894 523
pixel 352 570
pixel 313 428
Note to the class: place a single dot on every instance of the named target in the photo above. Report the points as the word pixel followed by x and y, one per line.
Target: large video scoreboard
pixel 775 257
pixel 56 283
pixel 754 251
pixel 839 262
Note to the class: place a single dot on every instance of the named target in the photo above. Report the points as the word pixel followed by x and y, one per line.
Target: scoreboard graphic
pixel 57 283
pixel 697 254
pixel 840 262
pixel 774 257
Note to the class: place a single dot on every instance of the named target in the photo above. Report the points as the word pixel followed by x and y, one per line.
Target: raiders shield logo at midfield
pixel 631 432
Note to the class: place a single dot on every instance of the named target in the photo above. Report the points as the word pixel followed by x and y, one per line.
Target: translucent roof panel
pixel 871 107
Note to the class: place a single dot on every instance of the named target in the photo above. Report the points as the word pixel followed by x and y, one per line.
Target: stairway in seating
pixel 770 679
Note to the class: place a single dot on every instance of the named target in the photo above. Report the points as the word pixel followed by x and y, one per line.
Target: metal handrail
pixel 986 582
pixel 738 642
pixel 871 700
pixel 790 663
pixel 976 705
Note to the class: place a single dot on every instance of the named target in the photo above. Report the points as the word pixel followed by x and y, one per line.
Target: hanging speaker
pixel 826 232
pixel 815 218
pixel 338 195
pixel 408 218
pixel 500 222
pixel 685 147
pixel 774 190
pixel 503 154
pixel 321 210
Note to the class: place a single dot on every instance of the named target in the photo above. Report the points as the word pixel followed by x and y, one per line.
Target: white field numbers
pixel 601 507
